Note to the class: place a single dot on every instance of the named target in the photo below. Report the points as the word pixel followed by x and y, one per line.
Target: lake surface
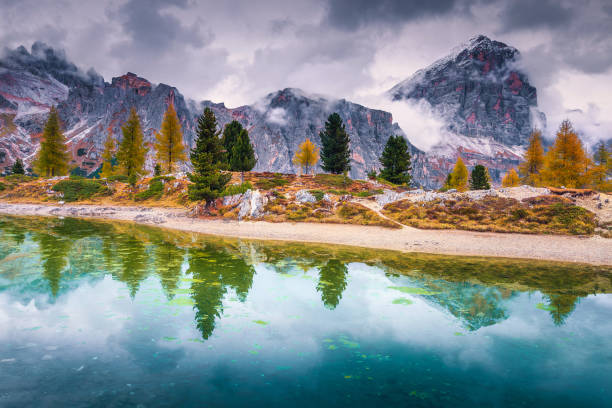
pixel 113 314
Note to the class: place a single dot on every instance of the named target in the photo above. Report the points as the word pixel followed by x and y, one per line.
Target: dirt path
pixel 373 205
pixel 593 250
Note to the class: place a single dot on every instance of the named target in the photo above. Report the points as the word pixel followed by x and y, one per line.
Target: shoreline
pixel 590 250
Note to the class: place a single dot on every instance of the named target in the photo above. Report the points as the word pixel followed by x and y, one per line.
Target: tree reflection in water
pixel 474 290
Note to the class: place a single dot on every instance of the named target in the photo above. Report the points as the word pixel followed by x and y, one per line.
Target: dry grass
pixel 537 215
pixel 324 212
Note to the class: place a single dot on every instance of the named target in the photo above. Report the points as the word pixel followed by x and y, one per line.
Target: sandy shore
pixel 593 250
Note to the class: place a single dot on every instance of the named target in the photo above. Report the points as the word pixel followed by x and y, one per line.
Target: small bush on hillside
pixel 269 184
pixel 155 190
pixel 318 194
pixel 2 187
pixel 338 192
pixel 368 193
pixel 233 189
pixel 79 189
pixel 333 180
pixel 133 179
pixel 118 177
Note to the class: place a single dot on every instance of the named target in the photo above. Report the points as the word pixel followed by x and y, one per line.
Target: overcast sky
pixel 237 51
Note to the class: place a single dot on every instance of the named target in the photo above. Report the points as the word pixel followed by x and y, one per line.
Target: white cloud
pixel 277 116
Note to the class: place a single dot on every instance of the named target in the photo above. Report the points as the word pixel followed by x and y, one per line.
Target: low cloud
pixel 277 116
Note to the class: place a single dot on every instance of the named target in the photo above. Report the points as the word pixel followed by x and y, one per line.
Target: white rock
pixel 252 204
pixel 389 196
pixel 232 200
pixel 304 196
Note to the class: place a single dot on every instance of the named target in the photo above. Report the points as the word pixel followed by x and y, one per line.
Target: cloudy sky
pixel 236 51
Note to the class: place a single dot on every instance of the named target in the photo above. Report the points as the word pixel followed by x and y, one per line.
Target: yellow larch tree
pixel 458 178
pixel 511 179
pixel 52 158
pixel 566 163
pixel 169 141
pixel 107 156
pixel 307 156
pixel 534 160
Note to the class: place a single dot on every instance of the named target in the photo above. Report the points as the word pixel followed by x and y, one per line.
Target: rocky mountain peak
pixel 132 81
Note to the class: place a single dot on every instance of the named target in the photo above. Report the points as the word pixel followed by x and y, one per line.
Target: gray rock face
pixel 304 196
pixel 252 204
pixel 388 196
pixel 486 101
pixel 282 120
pixel 479 90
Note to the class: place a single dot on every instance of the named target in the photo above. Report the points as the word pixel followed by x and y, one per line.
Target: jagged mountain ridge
pixel 461 87
pixel 284 119
pixel 89 107
pixel 485 100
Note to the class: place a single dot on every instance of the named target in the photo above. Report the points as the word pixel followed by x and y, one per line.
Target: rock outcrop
pixel 486 102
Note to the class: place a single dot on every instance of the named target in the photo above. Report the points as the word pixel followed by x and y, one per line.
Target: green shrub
pixel 163 178
pixel 133 179
pixel 278 195
pixel 368 193
pixel 318 194
pixel 18 178
pixel 155 190
pixel 332 180
pixel 79 189
pixel 118 177
pixel 338 192
pixel 2 187
pixel 233 189
pixel 268 184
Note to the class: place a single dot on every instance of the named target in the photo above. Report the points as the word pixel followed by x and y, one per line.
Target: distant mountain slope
pixel 486 101
pixel 282 120
pixel 30 83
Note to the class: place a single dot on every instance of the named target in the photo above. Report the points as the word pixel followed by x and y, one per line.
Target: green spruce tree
pixel 230 136
pixel 335 153
pixel 480 178
pixel 206 158
pixel 18 167
pixel 243 156
pixel 132 151
pixel 53 156
pixel 395 160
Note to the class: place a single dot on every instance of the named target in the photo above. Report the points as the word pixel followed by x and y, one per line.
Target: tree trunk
pixel 242 177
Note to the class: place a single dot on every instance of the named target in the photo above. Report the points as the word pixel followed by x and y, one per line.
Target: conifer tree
pixel 132 151
pixel 480 178
pixel 511 179
pixel 53 156
pixel 107 156
pixel 447 182
pixel 534 160
pixel 231 131
pixel 157 170
pixel 307 156
pixel 395 161
pixel 18 167
pixel 602 168
pixel 566 163
pixel 458 178
pixel 207 178
pixel 243 156
pixel 169 141
pixel 335 153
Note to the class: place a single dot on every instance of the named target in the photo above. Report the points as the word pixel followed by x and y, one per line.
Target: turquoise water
pixel 103 314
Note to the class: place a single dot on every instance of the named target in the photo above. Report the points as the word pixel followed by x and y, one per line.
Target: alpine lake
pixel 109 314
